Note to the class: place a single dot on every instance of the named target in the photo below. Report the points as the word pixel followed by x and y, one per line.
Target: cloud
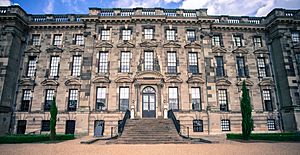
pixel 5 2
pixel 172 1
pixel 49 8
pixel 73 5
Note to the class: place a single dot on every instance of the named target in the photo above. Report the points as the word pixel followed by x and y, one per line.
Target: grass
pixel 12 139
pixel 281 137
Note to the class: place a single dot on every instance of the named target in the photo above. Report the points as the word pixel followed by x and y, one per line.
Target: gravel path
pixel 73 147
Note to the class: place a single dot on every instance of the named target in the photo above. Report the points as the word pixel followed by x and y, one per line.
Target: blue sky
pixel 215 7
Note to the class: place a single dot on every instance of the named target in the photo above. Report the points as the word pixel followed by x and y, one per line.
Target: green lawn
pixel 268 136
pixel 11 139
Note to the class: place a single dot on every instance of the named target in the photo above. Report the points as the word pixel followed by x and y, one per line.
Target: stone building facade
pixel 148 61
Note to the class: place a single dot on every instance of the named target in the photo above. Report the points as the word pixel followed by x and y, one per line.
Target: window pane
pixel 216 41
pixel 45 125
pixel 222 96
pixel 48 99
pixel 241 66
pixel 73 95
pixel 257 42
pixel 57 39
pixel 148 61
pixel 198 125
pixel 126 34
pixel 237 41
pixel 193 63
pixel 295 37
pixel 101 98
pixel 35 39
pixel 148 33
pixel 173 98
pixel 79 39
pixel 271 124
pixel 105 35
pixel 103 62
pixel 170 34
pixel 31 66
pixel 54 66
pixel 196 99
pixel 76 65
pixel 125 61
pixel 25 100
pixel 172 63
pixel 225 125
pixel 191 36
pixel 220 66
pixel 124 98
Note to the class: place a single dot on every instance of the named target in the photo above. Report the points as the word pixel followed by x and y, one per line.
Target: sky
pixel 215 7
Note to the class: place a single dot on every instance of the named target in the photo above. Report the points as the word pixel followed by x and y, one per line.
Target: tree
pixel 246 109
pixel 53 113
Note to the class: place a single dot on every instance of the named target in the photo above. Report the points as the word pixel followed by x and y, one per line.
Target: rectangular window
pixel 101 99
pixel 196 98
pixel 241 66
pixel 21 126
pixel 298 62
pixel 54 66
pixel 170 34
pixel 103 62
pixel 261 67
pixel 124 98
pixel 220 66
pixel 173 98
pixel 172 63
pixel 126 34
pixel 225 125
pixel 148 33
pixel 267 100
pixel 31 66
pixel 105 34
pixel 76 66
pixel 193 63
pixel 79 39
pixel 222 96
pixel 45 125
pixel 48 99
pixel 295 37
pixel 271 124
pixel 237 40
pixel 191 36
pixel 148 61
pixel 57 39
pixel 197 125
pixel 257 41
pixel 125 62
pixel 72 103
pixel 216 40
pixel 25 100
pixel 36 39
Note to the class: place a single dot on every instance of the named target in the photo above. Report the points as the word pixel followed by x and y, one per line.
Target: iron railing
pixel 116 131
pixel 182 130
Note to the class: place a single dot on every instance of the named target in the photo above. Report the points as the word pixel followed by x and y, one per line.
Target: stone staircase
pixel 149 131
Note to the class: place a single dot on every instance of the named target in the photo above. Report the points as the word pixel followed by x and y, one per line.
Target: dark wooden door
pixel 21 127
pixel 149 105
pixel 70 127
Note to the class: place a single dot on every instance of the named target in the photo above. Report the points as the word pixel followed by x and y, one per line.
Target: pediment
pixel 148 44
pixel 149 74
pixel 33 50
pixel 261 51
pixel 126 44
pixel 101 79
pixel 195 79
pixel 223 82
pixel 49 83
pixel 123 79
pixel 72 82
pixel 218 50
pixel 76 50
pixel 240 50
pixel 54 49
pixel 27 82
pixel 171 44
pixel 192 45
pixel 173 79
pixel 104 45
pixel 266 82
pixel 248 83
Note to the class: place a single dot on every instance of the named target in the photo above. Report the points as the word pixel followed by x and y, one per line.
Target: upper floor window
pixel 126 34
pixel 257 41
pixel 124 98
pixel 76 66
pixel 298 62
pixel 220 66
pixel 31 66
pixel 261 67
pixel 237 40
pixel 148 33
pixel 57 39
pixel 191 36
pixel 36 39
pixel 198 125
pixel 54 66
pixel 173 98
pixel 170 34
pixel 172 63
pixel 295 37
pixel 25 100
pixel 223 100
pixel 105 34
pixel 79 39
pixel 125 62
pixel 148 61
pixel 72 103
pixel 225 125
pixel 216 40
pixel 241 69
pixel 101 99
pixel 196 98
pixel 193 63
pixel 271 124
pixel 267 100
pixel 103 62
pixel 48 99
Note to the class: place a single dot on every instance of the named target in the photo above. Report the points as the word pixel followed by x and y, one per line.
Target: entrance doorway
pixel 21 126
pixel 70 127
pixel 99 128
pixel 149 102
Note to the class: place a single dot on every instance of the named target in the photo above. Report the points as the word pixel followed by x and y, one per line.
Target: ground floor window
pixel 271 124
pixel 198 125
pixel 70 127
pixel 45 125
pixel 225 125
pixel 21 126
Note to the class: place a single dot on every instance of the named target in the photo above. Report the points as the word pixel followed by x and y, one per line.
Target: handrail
pixel 182 130
pixel 117 130
pixel 173 118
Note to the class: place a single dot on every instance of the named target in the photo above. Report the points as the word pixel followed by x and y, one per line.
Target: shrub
pixel 10 139
pixel 268 136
